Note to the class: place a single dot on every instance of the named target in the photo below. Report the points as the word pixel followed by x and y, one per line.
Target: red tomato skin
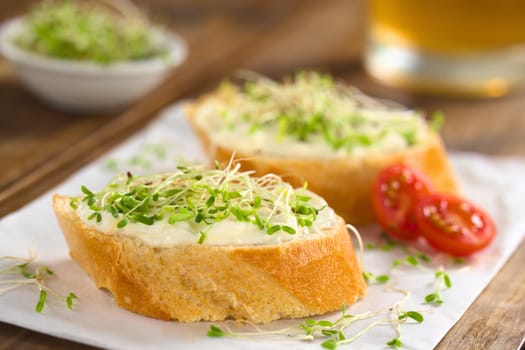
pixel 395 193
pixel 454 225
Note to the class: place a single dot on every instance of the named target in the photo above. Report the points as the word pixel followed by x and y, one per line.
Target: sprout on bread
pixel 203 197
pixel 313 108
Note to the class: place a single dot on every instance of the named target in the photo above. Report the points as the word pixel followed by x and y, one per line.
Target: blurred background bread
pixel 230 124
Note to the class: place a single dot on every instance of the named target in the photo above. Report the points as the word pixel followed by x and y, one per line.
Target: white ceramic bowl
pixel 86 87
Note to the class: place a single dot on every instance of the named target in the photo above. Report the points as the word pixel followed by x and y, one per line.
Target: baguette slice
pixel 345 182
pixel 193 282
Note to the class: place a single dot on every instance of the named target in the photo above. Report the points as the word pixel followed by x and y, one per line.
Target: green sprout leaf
pixel 69 300
pixel 27 274
pixel 382 278
pixel 330 344
pixel 368 276
pixel 434 298
pixel 416 316
pixel 202 237
pixel 210 201
pixel 412 260
pixel 288 229
pixel 73 203
pixel 273 229
pixel 395 343
pixel 458 261
pixel 182 215
pixel 423 257
pixel 370 246
pixel 85 190
pixel 216 332
pixel 396 262
pixel 325 323
pixel 430 297
pixel 41 301
pixel 447 281
pixel 47 271
pixel 387 247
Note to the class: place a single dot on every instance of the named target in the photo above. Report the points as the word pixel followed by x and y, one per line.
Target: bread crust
pixel 344 182
pixel 195 282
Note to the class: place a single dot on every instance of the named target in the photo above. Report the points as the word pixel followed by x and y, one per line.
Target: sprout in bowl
pixel 87 57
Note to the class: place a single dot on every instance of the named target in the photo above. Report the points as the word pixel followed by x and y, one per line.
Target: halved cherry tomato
pixel 394 196
pixel 453 225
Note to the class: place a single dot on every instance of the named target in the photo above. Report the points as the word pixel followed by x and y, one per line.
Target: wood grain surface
pixel 40 147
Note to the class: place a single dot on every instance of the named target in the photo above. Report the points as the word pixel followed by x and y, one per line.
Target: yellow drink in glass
pixel 463 47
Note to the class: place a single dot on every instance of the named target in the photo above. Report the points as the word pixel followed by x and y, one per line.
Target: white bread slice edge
pixel 196 282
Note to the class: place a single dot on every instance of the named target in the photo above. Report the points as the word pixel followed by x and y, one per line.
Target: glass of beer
pixel 455 47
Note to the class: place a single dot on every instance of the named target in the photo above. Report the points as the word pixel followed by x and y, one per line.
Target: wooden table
pixel 40 147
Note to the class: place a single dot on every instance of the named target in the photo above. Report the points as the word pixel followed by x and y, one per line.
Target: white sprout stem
pixel 14 286
pixel 18 281
pixel 8 270
pixel 360 317
pixel 104 198
pixel 352 229
pixel 163 184
pixel 441 282
pixel 396 308
pixel 366 330
pixel 406 294
pixel 42 286
pixel 287 205
pixel 38 278
pixel 9 257
pixel 259 331
pixel 276 202
pixel 231 162
pixel 369 314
